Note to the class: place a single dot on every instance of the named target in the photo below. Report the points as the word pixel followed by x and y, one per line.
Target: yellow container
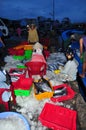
pixel 43 95
pixel 28 47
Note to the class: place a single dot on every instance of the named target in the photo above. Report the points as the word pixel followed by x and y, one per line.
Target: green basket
pixel 21 66
pixel 20 92
pixel 19 57
pixel 28 54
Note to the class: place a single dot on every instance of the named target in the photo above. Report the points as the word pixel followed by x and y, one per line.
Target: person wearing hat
pixel 32 34
pixel 74 42
pixel 83 54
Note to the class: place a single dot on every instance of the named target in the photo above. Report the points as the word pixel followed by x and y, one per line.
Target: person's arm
pixel 81 47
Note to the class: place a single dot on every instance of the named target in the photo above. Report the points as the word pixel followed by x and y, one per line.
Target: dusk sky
pixel 17 9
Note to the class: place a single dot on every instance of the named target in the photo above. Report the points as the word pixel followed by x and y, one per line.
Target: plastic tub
pixel 4 115
pixel 58 118
pixel 43 95
pixel 70 93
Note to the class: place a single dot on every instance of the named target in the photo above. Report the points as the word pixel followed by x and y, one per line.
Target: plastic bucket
pixel 4 115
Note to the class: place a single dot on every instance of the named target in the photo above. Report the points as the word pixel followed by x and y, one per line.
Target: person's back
pixel 33 34
pixel 33 37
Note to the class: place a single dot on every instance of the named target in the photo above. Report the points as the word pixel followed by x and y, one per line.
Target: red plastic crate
pixel 58 118
pixel 19 52
pixel 12 51
pixel 23 86
pixel 23 83
pixel 70 93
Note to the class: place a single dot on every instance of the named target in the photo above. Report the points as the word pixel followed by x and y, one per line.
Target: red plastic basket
pixel 23 86
pixel 23 83
pixel 70 93
pixel 58 118
pixel 36 68
pixel 12 51
pixel 19 52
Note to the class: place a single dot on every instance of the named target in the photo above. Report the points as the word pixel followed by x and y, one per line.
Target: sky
pixel 17 9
